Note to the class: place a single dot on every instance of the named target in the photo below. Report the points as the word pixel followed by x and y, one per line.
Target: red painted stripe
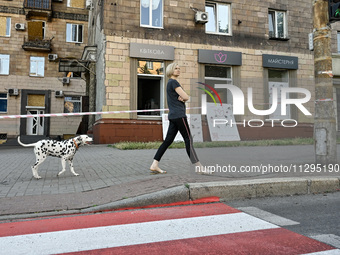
pixel 193 153
pixel 191 202
pixel 265 242
pixel 114 218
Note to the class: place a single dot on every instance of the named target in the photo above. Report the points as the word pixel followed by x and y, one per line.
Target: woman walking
pixel 176 97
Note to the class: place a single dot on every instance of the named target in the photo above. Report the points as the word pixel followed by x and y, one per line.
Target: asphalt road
pixel 315 216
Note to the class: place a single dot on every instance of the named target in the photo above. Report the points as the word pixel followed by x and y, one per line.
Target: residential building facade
pixel 34 36
pixel 260 45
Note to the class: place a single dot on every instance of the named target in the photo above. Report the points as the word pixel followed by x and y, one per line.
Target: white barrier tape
pixel 82 113
pixel 330 73
pixel 324 100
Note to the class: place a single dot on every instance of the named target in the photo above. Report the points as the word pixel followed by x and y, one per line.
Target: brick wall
pixel 58 125
pixel 118 82
pixel 121 18
pixel 250 36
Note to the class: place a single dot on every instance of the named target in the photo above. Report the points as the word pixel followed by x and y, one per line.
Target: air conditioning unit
pixel 59 93
pixel 19 26
pixel 66 80
pixel 201 17
pixel 13 92
pixel 52 57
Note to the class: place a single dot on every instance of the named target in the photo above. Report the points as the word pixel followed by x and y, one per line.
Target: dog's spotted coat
pixel 64 150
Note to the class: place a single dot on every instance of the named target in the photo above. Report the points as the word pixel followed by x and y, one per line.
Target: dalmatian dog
pixel 64 150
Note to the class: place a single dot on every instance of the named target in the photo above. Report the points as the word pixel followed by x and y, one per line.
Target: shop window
pixel 338 107
pixel 3 102
pixel 74 33
pixel 277 24
pixel 37 66
pixel 150 87
pixel 219 75
pixel 219 18
pixel 151 13
pixel 278 79
pixel 5 26
pixel 72 104
pixel 4 64
pixel 36 30
pixel 338 41
pixel 76 4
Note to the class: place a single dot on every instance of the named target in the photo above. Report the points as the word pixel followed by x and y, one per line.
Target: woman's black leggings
pixel 182 126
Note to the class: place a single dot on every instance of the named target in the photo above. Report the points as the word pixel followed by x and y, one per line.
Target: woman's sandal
pixel 153 171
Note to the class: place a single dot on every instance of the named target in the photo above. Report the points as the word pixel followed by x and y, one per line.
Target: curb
pixel 226 191
pixel 167 196
pixel 246 189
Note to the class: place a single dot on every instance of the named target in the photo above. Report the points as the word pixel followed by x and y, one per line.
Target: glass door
pixel 35 125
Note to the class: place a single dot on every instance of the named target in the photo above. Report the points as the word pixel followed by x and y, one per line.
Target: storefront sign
pixel 220 57
pixel 150 51
pixel 276 61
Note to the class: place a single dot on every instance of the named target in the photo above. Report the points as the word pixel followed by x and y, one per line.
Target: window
pixel 219 75
pixel 76 3
pixel 38 4
pixel 150 87
pixel 76 75
pixel 4 64
pixel 74 33
pixel 337 90
pixel 219 18
pixel 72 104
pixel 5 26
pixel 277 24
pixel 37 66
pixel 278 79
pixel 151 13
pixel 338 41
pixel 36 30
pixel 3 102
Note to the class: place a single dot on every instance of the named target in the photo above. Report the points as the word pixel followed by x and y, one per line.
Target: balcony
pixel 41 8
pixel 37 44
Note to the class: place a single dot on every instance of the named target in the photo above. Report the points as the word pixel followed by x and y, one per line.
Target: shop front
pixel 279 72
pixel 146 95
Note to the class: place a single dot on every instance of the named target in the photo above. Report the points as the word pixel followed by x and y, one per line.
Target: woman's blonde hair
pixel 170 69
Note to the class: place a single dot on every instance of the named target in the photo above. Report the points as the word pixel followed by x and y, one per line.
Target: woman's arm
pixel 182 94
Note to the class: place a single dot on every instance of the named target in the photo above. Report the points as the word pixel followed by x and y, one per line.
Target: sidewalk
pixel 109 176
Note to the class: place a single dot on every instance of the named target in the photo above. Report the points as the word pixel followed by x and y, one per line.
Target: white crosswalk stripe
pixel 267 216
pixel 195 229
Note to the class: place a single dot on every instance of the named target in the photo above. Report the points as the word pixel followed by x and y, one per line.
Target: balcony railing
pixel 38 4
pixel 36 44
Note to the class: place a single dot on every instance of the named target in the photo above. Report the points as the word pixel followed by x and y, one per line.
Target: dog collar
pixel 75 144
